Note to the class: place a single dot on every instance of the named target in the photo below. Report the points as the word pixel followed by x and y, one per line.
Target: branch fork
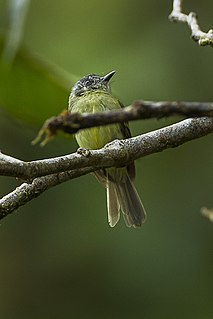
pixel 177 15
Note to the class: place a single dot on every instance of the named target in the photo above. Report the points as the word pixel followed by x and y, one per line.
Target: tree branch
pixel 71 123
pixel 116 153
pixel 199 36
pixel 26 192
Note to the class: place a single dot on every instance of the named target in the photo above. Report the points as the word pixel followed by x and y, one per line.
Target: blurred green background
pixel 59 257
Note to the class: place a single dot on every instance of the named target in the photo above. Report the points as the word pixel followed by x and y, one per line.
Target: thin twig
pixel 177 15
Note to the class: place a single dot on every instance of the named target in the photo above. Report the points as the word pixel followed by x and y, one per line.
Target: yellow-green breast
pixel 92 102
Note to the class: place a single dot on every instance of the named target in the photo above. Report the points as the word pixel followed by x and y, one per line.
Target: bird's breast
pixel 97 137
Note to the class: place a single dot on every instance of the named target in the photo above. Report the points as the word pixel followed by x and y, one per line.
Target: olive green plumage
pixel 89 95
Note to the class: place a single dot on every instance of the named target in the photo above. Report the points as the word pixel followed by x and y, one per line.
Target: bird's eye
pixel 79 86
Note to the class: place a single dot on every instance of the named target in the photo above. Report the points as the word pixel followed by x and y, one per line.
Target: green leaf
pixel 32 89
pixel 16 12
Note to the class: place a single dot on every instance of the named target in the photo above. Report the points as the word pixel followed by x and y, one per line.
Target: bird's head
pixel 92 82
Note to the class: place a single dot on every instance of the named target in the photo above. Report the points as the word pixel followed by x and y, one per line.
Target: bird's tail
pixel 123 196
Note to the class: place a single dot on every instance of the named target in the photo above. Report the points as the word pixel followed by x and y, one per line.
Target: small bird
pixel 92 94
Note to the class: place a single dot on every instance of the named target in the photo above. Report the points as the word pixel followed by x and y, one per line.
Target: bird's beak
pixel 108 76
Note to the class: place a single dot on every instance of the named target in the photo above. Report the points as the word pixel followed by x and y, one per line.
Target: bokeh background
pixel 58 256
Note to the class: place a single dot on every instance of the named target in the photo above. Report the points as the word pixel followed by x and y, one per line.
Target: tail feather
pixel 113 205
pixel 131 205
pixel 123 195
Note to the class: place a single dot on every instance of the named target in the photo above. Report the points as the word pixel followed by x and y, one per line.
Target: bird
pixel 91 94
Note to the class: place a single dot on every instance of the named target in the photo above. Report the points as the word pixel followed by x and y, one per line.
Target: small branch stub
pixel 207 213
